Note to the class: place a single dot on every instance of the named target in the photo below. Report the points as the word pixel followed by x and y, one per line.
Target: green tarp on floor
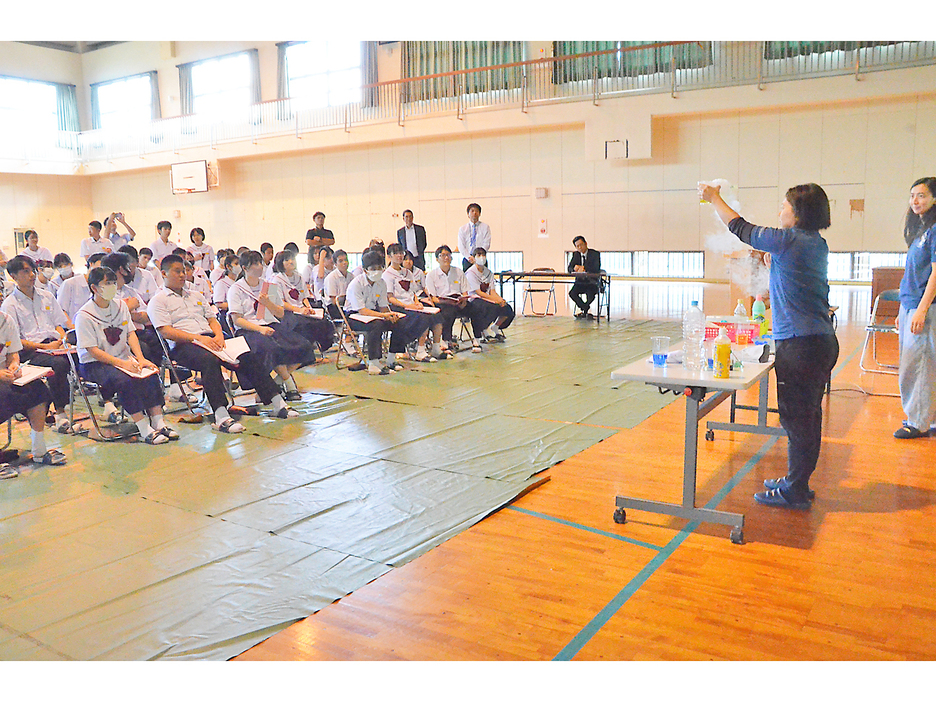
pixel 205 547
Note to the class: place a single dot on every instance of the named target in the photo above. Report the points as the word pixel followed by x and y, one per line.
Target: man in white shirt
pixel 145 263
pixel 95 244
pixel 110 231
pixel 480 281
pixel 162 247
pixel 42 325
pixel 473 234
pixel 74 292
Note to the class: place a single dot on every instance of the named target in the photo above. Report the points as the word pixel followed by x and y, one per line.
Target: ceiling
pixel 75 47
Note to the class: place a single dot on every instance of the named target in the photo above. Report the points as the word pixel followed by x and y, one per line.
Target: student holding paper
pixel 480 281
pixel 109 354
pixel 448 290
pixel 185 320
pixel 368 311
pixel 31 399
pixel 301 316
pixel 401 293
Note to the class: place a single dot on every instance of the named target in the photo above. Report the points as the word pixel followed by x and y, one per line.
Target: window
pixel 324 73
pixel 125 102
pixel 618 63
pixel 789 49
pixel 856 266
pixel 651 264
pixel 221 86
pixel 424 58
pixel 29 106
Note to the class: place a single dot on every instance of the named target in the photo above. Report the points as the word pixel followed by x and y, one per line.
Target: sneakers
pixel 909 432
pixel 775 498
pixel 774 483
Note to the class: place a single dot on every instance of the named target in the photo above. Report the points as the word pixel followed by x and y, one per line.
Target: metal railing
pixel 651 68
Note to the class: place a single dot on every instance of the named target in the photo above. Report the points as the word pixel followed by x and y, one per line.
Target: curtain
pixel 369 97
pixel 584 68
pixel 154 93
pixel 625 63
pixel 254 55
pixel 422 58
pixel 186 92
pixel 67 108
pixel 282 70
pixel 789 49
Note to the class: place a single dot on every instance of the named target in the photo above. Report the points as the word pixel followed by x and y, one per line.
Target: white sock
pixel 38 443
pixel 109 408
pixel 278 402
pixel 290 384
pixel 373 363
pixel 492 329
pixel 221 414
pixel 157 421
pixel 391 359
pixel 436 349
pixel 144 426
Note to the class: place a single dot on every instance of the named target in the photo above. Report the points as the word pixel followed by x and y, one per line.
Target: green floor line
pixel 592 530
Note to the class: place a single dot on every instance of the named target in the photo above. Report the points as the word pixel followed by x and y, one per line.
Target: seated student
pixel 297 303
pixel 324 266
pixel 108 346
pixel 120 264
pixel 336 284
pixel 31 400
pixel 401 293
pixel 267 251
pixel 203 253
pixel 74 292
pixel 480 281
pixel 448 290
pixel 145 264
pixel 584 260
pixel 63 271
pixel 377 246
pixel 141 280
pixel 37 254
pixel 218 272
pixel 367 296
pixel 232 270
pixel 182 317
pixel 255 311
pixel 195 281
pixel 42 324
pixel 419 275
pixel 44 275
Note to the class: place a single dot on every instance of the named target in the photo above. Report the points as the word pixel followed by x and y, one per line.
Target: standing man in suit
pixel 584 260
pixel 412 237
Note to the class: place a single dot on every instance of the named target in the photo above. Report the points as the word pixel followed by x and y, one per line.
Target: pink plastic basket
pixel 749 329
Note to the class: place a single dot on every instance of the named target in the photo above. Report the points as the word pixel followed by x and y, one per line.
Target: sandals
pixel 7 471
pixel 169 433
pixel 292 395
pixel 154 438
pixel 64 427
pixel 51 457
pixel 239 411
pixel 286 413
pixel 229 426
pixel 908 432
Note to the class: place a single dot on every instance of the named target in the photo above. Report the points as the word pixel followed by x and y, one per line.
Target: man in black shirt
pixel 318 236
pixel 584 260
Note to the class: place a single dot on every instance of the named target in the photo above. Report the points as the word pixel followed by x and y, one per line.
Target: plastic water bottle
pixel 759 313
pixel 693 329
pixel 740 310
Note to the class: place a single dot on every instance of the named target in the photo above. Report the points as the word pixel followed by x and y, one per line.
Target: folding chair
pixel 193 417
pixel 539 286
pixel 348 334
pixel 76 381
pixel 876 327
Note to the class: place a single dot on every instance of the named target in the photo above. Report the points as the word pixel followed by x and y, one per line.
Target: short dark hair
pixel 94 258
pixel 179 251
pixel 61 259
pixel 474 204
pixel 317 214
pixel 196 230
pixel 395 248
pixel 116 261
pixel 145 251
pixel 810 207
pixel 95 224
pixel 281 257
pixel 291 246
pixel 479 251
pixel 339 253
pixel 168 260
pixel 410 211
pixel 266 245
pixel 444 247
pixel 164 224
pixel 102 273
pixel 242 249
pixel 230 260
pixel 577 239
pixel 249 258
pixel 130 251
pixel 19 263
pixel 372 258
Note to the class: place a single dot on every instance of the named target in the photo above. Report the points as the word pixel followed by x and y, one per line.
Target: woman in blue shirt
pixel 806 347
pixel 916 322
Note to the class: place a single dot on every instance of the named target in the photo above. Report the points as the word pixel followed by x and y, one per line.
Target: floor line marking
pixel 575 525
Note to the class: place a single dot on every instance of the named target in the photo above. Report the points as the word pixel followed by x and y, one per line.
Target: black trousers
pixel 803 365
pixel 149 345
pixel 408 329
pixel 19 399
pixel 58 383
pixel 587 290
pixel 319 331
pixel 136 394
pixel 373 335
pixel 249 371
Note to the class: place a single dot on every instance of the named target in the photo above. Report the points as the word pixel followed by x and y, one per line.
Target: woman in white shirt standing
pixel 109 353
pixel 203 253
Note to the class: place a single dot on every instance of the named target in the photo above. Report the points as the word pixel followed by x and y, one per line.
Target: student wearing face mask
pixel 63 271
pixel 74 292
pixel 44 275
pixel 401 292
pixel 109 351
pixel 491 306
pixel 448 290
pixel 367 296
pixel 255 312
pixel 140 280
pixel 298 304
pixel 120 264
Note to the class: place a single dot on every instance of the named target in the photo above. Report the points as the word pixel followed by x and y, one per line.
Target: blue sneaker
pixel 774 483
pixel 775 498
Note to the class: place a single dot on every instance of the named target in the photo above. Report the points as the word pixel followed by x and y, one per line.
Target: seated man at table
pixel 584 260
pixel 480 281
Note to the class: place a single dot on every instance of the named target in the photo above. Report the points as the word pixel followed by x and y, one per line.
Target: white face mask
pixel 236 270
pixel 373 276
pixel 108 292
pixel 47 273
pixel 481 260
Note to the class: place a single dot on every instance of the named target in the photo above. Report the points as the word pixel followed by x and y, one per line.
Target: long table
pixel 695 385
pixel 603 280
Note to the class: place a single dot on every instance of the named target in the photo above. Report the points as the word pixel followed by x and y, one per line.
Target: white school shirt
pixel 294 289
pixel 318 284
pixel 118 240
pixel 40 254
pixel 217 273
pixel 156 274
pixel 419 279
pixel 201 283
pixel 161 250
pixel 10 341
pixel 56 282
pixel 483 281
pixel 91 323
pixel 268 272
pixel 245 301
pixel 482 238
pixel 89 247
pixel 36 318
pixel 220 289
pixel 204 256
pixel 440 284
pixel 144 283
pixel 400 285
pixel 361 294
pixel 73 294
pixel 188 312
pixel 411 241
pixel 127 292
pixel 335 284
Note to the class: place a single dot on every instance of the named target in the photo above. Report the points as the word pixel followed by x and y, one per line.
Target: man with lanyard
pixel 473 234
